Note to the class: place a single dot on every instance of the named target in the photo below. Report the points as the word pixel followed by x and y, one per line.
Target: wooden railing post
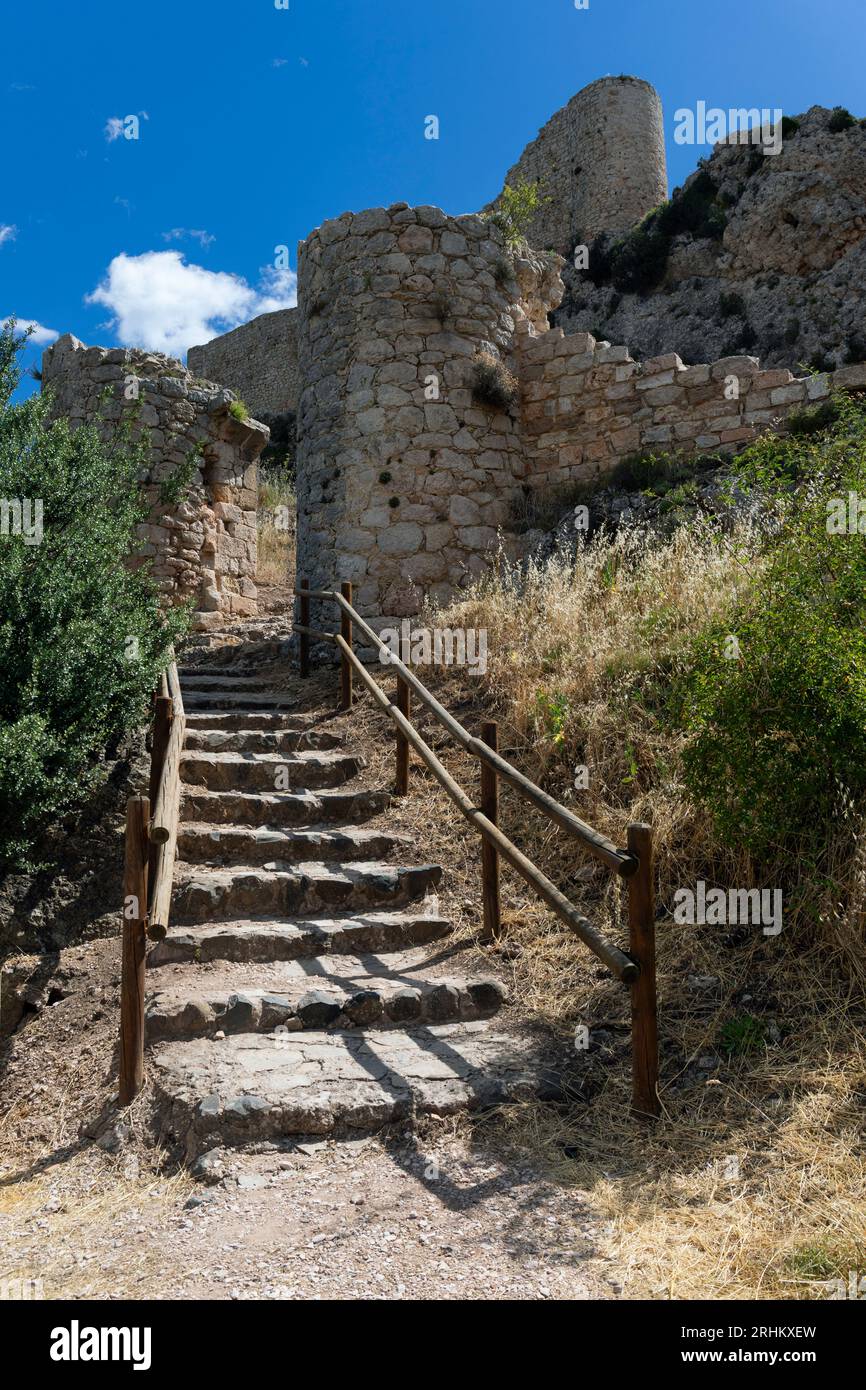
pixel 304 650
pixel 489 852
pixel 162 717
pixel 134 937
pixel 345 663
pixel 642 949
pixel 404 705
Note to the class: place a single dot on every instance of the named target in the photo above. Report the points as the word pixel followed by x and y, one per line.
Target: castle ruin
pixel 408 472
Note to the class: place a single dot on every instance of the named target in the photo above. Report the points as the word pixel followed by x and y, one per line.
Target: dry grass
pixel 754 1182
pixel 276 531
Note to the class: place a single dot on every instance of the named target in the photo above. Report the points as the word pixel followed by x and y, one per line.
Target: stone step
pixel 257 1086
pixel 195 680
pixel 199 843
pixel 269 721
pixel 350 991
pixel 273 939
pixel 269 772
pixel 283 808
pixel 261 740
pixel 215 894
pixel 248 701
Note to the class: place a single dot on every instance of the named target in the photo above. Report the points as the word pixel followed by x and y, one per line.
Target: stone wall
pixel 258 361
pixel 202 547
pixel 402 476
pixel 599 162
pixel 586 405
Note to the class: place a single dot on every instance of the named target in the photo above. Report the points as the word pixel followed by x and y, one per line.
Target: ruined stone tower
pixel 599 162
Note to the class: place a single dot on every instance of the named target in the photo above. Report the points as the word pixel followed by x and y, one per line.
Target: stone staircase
pixel 300 988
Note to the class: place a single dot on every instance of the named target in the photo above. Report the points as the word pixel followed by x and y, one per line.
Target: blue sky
pixel 257 123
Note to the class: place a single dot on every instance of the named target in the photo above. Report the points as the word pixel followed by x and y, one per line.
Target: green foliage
pixel 637 262
pixel 777 747
pixel 743 1035
pixel 659 472
pixel 239 410
pixel 790 126
pixel 731 304
pixel 517 207
pixel 82 639
pixel 551 715
pixel 841 119
pixel 173 488
pixel 813 419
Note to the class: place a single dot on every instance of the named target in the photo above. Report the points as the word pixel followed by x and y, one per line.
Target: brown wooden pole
pixel 134 938
pixel 304 649
pixel 162 717
pixel 642 949
pixel 345 663
pixel 489 853
pixel 404 705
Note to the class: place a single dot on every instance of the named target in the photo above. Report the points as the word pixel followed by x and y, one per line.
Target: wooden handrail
pixel 622 966
pixel 149 872
pixel 635 968
pixel 619 860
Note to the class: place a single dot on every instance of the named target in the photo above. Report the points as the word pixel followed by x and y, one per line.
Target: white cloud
pixel 7 232
pixel 204 239
pixel 40 335
pixel 280 62
pixel 160 302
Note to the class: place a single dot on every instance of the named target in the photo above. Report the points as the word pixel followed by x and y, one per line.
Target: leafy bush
pixel 239 410
pixel 841 119
pixel 82 638
pixel 778 732
pixel 731 304
pixel 517 207
pixel 637 262
pixel 790 126
pixel 492 383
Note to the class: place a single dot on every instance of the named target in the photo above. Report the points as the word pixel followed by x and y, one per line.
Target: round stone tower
pixel 599 162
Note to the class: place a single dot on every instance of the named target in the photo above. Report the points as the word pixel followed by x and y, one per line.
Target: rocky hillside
pixel 756 254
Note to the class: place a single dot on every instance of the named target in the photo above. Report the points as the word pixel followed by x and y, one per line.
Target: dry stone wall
pixel 259 361
pixel 599 163
pixel 403 477
pixel 585 405
pixel 202 547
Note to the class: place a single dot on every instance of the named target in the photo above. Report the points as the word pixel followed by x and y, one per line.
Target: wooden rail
pixel 636 967
pixel 151 841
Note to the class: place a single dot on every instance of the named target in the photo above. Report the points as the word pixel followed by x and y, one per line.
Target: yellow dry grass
pixel 754 1182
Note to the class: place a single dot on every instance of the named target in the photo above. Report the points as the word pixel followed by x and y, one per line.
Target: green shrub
pixel 813 419
pixel 790 126
pixel 239 410
pixel 517 207
pixel 731 304
pixel 777 746
pixel 841 119
pixel 637 262
pixel 82 639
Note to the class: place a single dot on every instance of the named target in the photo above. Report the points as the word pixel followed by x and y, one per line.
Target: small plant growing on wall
pixel 492 383
pixel 517 207
pixel 239 410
